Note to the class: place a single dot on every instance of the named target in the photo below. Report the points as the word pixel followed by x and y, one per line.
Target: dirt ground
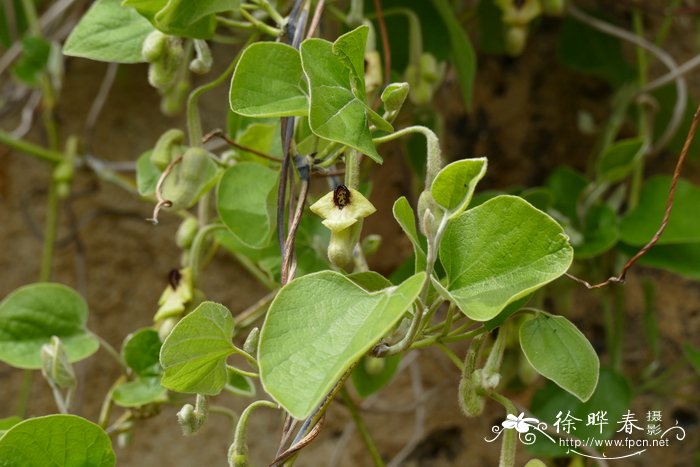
pixel 526 125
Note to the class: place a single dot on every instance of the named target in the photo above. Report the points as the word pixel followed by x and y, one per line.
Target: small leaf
pixel 183 17
pixel 141 351
pixel 193 356
pixel 620 159
pixel 566 186
pixel 245 200
pixel 639 225
pixel 147 174
pixel 560 352
pixel 33 61
pixel 368 381
pixel 32 314
pixel 498 252
pixel 337 110
pixel 600 232
pixel 403 213
pixel 109 32
pixel 139 392
pixel 261 90
pixel 454 185
pixel 317 327
pixel 60 440
pixel 239 384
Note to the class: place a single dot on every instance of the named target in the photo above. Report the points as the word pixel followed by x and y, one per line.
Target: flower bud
pixel 186 232
pixel 394 95
pixel 374 365
pixel 250 345
pixel 166 147
pixel 55 365
pixel 154 46
pixel 203 61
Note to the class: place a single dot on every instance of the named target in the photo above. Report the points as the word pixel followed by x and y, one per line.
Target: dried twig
pixel 218 133
pixel 99 102
pixel 300 445
pixel 162 202
pixel 316 19
pixel 667 214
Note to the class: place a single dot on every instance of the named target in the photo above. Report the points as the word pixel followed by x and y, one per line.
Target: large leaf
pixel 454 185
pixel 462 53
pixel 32 63
pixel 560 352
pixel 317 327
pixel 261 90
pixel 498 252
pixel 56 440
pixel 109 32
pixel 641 224
pixel 32 314
pixel 245 200
pixel 338 110
pixel 403 213
pixel 193 356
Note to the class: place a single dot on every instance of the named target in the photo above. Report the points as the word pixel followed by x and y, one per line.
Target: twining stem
pixel 361 427
pixel 237 453
pixel 196 249
pixel 508 445
pixel 352 169
pixel 644 124
pixel 24 392
pixel 194 122
pixel 451 355
pixel 50 232
pixel 434 162
pixel 29 148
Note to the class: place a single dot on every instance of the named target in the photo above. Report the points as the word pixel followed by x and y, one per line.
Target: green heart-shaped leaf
pixel 454 185
pixel 317 327
pixel 139 392
pixel 245 200
pixel 61 440
pixel 618 160
pixel 141 352
pixel 499 252
pixel 32 314
pixel 261 90
pixel 338 111
pixel 109 32
pixel 193 356
pixel 560 352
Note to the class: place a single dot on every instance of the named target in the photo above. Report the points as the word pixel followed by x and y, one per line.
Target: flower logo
pixel 521 423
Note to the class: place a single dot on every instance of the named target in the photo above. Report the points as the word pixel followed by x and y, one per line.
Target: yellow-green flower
pixel 342 211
